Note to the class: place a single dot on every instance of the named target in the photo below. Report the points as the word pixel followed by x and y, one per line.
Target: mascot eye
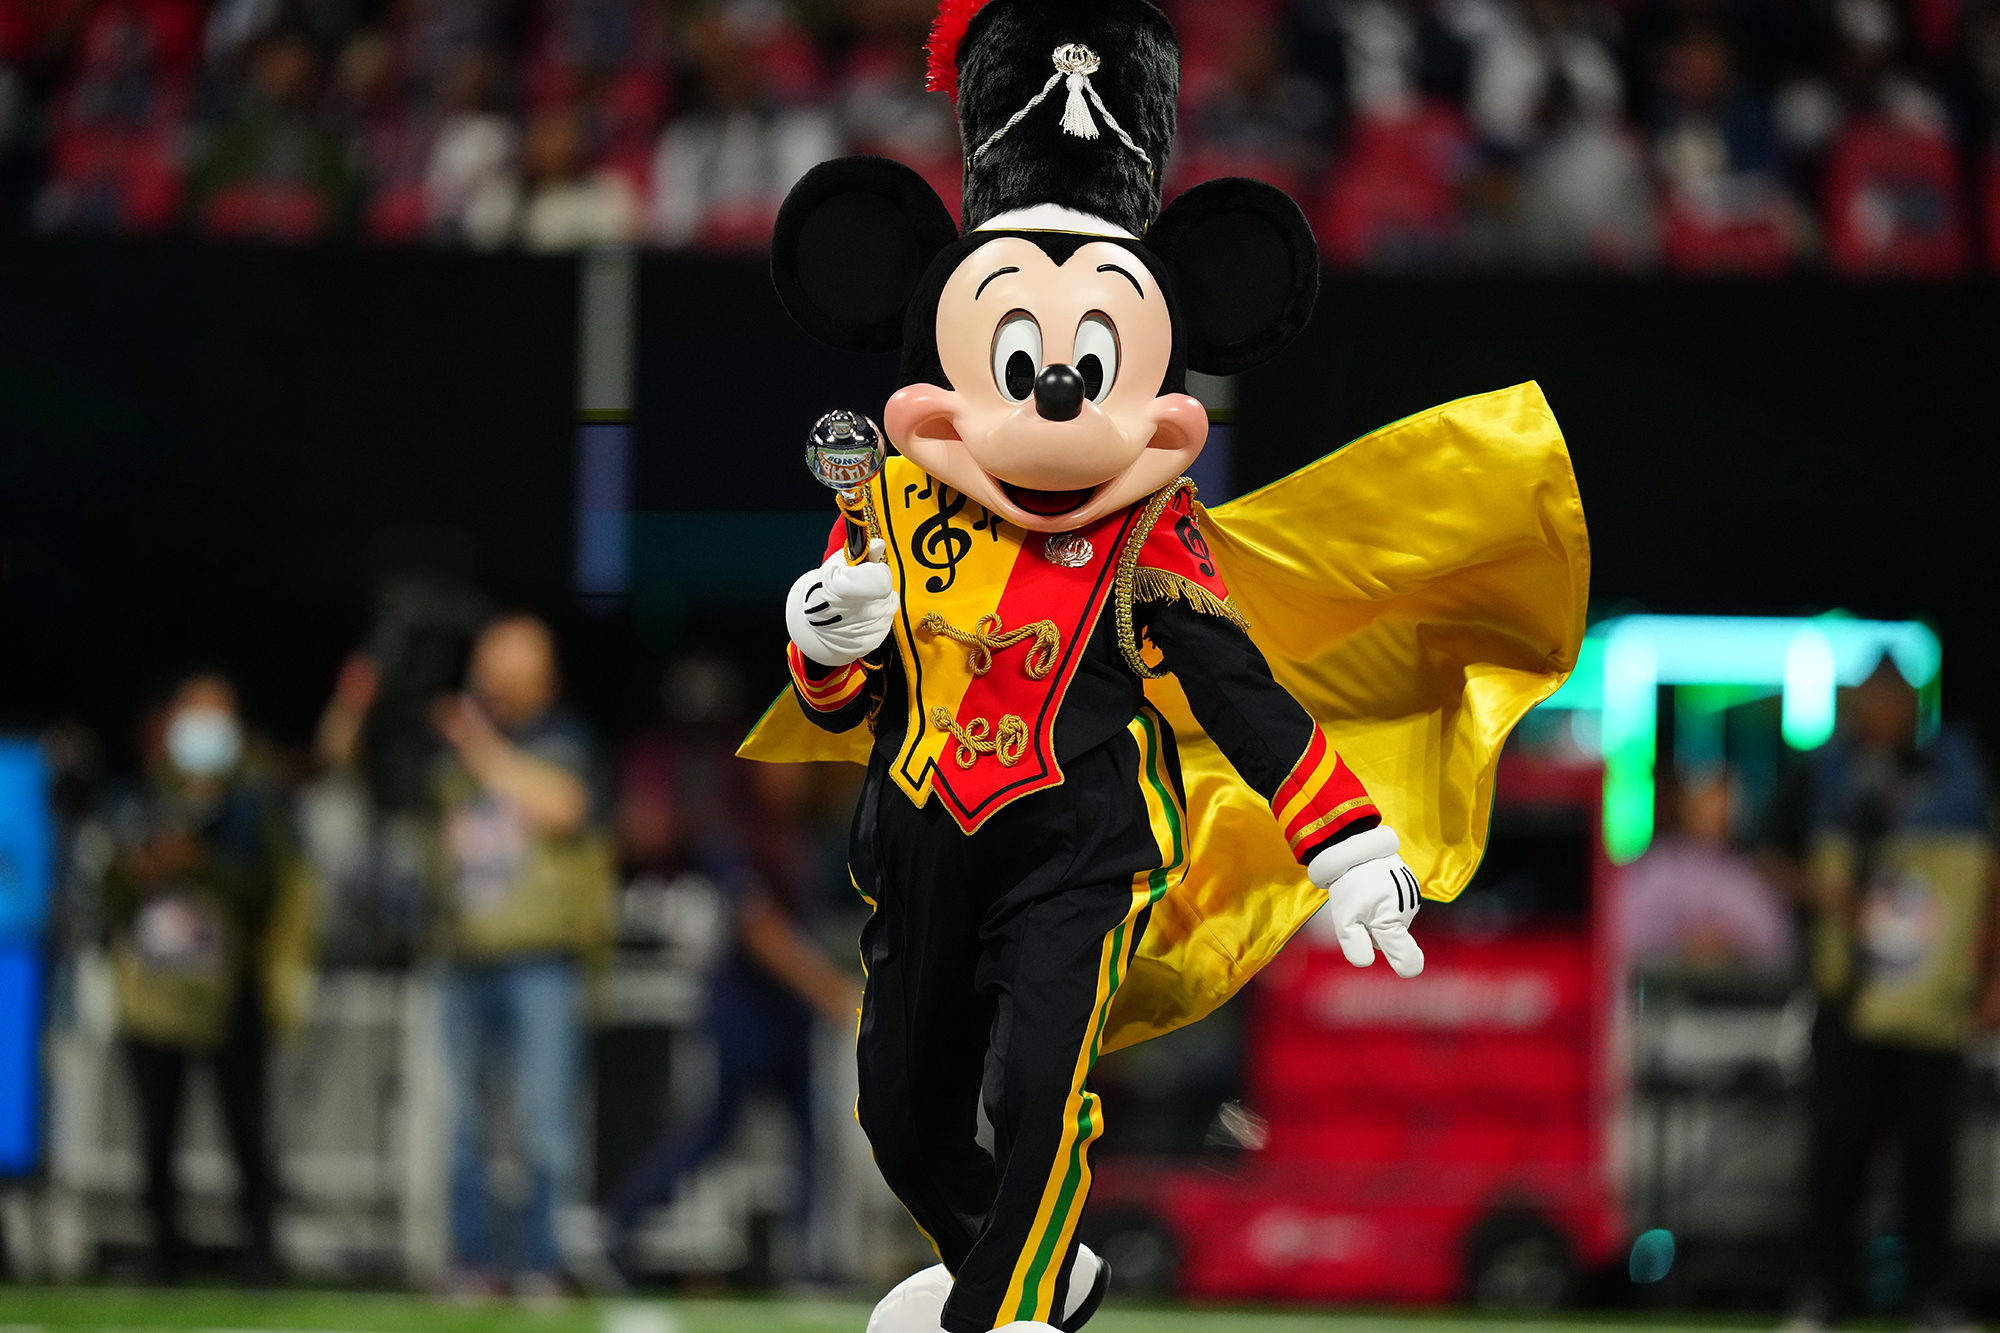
pixel 1017 355
pixel 1097 356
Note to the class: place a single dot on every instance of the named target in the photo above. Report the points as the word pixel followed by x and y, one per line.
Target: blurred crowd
pixel 455 815
pixel 1694 136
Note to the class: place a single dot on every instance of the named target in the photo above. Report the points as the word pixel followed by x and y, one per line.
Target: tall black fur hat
pixel 1067 111
pixel 1063 102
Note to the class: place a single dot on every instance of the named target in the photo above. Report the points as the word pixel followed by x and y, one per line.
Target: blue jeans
pixel 763 1040
pixel 527 1013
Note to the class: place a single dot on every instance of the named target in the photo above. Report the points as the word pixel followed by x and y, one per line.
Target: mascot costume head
pixel 1046 345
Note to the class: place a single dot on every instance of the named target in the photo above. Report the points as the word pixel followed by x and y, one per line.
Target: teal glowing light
pixel 1652 1256
pixel 1718 661
pixel 1808 704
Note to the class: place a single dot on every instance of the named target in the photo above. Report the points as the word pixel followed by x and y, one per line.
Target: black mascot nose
pixel 1059 393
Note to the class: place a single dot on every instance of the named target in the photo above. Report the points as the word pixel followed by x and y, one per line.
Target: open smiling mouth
pixel 1046 504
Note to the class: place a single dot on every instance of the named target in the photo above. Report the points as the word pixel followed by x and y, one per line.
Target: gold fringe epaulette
pixel 1158 585
pixel 1138 584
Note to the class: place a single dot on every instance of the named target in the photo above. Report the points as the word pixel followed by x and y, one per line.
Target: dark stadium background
pixel 222 446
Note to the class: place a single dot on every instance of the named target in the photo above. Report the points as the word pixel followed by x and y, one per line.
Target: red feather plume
pixel 947 32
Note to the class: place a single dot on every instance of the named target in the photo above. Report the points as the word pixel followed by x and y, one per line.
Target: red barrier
pixel 1415 1133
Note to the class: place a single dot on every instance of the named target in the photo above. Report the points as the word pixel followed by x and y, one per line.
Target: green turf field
pixel 101 1310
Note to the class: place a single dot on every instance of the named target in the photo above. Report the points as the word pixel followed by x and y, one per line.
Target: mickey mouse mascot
pixel 1119 748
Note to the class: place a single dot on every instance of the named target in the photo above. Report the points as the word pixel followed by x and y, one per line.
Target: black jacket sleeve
pixel 1260 728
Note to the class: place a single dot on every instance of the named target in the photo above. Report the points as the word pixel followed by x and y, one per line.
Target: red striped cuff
pixel 1320 798
pixel 834 690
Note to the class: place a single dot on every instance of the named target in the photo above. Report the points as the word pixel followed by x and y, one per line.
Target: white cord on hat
pixel 1075 62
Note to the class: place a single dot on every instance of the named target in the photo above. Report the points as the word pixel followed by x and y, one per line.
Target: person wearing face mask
pixel 528 877
pixel 209 915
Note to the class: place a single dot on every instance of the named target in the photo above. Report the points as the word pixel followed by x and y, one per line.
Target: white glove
pixel 840 613
pixel 1370 894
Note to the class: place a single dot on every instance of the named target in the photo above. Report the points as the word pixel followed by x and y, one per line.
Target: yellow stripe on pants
pixel 1031 1292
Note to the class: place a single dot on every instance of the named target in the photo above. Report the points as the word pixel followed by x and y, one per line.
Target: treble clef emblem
pixel 1189 531
pixel 939 545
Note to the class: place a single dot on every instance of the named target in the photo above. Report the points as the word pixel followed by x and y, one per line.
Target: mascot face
pixel 1055 418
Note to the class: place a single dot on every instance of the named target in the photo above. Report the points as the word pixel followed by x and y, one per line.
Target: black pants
pixel 159 1076
pixel 992 961
pixel 1863 1092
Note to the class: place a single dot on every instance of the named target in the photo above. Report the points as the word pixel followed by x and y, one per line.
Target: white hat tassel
pixel 1076 63
pixel 1079 62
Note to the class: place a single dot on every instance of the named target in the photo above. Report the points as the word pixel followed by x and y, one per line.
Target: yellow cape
pixel 1418 591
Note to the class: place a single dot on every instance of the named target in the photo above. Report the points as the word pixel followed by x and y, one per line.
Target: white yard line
pixel 636 1317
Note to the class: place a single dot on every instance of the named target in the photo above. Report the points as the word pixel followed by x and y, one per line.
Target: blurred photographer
pixel 1892 852
pixel 209 918
pixel 368 818
pixel 528 876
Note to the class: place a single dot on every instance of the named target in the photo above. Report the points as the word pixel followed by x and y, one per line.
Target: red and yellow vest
pixel 993 625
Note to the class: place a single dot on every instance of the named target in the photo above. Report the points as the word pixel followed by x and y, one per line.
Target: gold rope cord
pixel 976 738
pixel 1128 572
pixel 878 690
pixel 863 509
pixel 981 643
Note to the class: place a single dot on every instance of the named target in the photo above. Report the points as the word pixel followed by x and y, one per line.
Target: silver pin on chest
pixel 1068 549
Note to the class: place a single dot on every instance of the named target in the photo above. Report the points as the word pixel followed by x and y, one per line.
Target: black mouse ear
pixel 1245 270
pixel 852 242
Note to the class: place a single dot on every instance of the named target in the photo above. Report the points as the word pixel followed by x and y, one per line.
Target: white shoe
pixel 914 1305
pixel 1088 1277
pixel 1026 1326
